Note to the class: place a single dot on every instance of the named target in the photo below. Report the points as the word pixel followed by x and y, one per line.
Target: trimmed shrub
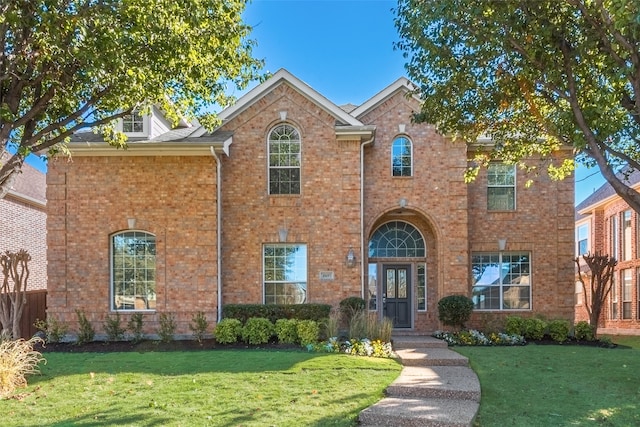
pixel 287 330
pixel 258 330
pixel 199 326
pixel 308 332
pixel 135 326
pixel 167 327
pixel 273 312
pixel 228 331
pixel 514 325
pixel 54 330
pixel 18 359
pixel 86 332
pixel 534 328
pixel 584 331
pixel 352 304
pixel 455 310
pixel 113 328
pixel 559 330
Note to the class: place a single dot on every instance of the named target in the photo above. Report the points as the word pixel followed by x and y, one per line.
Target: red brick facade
pixel 339 207
pixel 621 313
pixel 23 223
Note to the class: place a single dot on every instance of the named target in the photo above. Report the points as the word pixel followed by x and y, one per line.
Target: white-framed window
pixel 284 146
pixel 501 280
pixel 579 292
pixel 625 219
pixel 501 187
pixel 134 123
pixel 615 231
pixel 402 157
pixel 613 315
pixel 285 273
pixel 133 271
pixel 627 287
pixel 582 239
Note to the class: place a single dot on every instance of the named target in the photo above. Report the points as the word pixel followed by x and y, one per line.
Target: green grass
pixel 555 385
pixel 202 388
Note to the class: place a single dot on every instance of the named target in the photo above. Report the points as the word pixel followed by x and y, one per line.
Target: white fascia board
pixel 27 199
pixel 381 96
pixel 138 148
pixel 349 132
pixel 283 75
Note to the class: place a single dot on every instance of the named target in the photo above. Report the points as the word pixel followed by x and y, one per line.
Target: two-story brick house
pixel 23 223
pixel 294 199
pixel 605 224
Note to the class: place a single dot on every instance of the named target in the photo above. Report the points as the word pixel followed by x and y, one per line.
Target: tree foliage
pixel 533 75
pixel 600 282
pixel 73 64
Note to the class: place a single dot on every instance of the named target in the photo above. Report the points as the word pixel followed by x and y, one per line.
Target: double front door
pixel 396 294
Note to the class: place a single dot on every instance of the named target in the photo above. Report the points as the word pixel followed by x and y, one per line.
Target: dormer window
pixel 133 123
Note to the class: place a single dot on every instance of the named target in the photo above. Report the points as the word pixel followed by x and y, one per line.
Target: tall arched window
pixel 402 157
pixel 133 271
pixel 396 239
pixel 284 160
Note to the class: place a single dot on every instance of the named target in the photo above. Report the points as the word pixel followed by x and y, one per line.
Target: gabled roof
pixel 401 84
pixel 29 186
pixel 284 76
pixel 606 193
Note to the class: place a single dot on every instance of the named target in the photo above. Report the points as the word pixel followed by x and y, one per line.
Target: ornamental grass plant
pixel 17 360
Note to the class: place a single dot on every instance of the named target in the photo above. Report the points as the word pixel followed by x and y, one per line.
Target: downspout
pixel 363 274
pixel 218 227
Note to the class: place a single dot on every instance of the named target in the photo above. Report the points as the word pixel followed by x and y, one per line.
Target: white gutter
pixel 363 274
pixel 218 228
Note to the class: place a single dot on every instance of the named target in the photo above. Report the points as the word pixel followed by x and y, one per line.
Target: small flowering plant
pixel 355 347
pixel 477 338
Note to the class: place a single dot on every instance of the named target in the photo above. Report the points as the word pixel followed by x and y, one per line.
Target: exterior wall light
pixel 351 258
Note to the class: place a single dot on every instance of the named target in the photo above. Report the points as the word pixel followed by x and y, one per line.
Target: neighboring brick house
pixel 23 223
pixel 605 224
pixel 293 200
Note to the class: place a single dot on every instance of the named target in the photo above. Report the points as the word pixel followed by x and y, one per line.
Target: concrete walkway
pixel 435 388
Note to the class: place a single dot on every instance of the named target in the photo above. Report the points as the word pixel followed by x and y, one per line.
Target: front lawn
pixel 558 385
pixel 200 388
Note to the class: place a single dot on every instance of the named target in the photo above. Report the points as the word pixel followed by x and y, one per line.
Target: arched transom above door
pixel 397 239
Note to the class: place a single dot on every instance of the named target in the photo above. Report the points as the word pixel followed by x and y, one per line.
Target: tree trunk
pixel 602 268
pixel 13 298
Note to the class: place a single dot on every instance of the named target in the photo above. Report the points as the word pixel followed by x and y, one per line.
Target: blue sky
pixel 343 49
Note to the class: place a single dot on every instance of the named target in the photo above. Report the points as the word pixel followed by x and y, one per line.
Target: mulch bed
pixel 146 346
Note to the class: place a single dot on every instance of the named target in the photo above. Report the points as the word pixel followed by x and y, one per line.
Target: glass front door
pixel 396 294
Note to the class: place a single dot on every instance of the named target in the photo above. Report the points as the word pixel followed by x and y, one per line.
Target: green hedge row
pixel 260 330
pixel 273 312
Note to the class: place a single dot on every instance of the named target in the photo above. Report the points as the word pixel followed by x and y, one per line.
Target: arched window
pixel 284 160
pixel 396 239
pixel 133 271
pixel 401 157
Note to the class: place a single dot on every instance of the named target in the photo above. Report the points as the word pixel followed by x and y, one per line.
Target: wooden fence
pixel 36 308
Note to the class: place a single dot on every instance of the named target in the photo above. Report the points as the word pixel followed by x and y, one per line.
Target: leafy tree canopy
pixel 533 75
pixel 73 64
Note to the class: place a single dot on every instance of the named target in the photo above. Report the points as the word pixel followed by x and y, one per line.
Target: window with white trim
pixel 501 187
pixel 285 273
pixel 133 123
pixel 284 160
pixel 613 294
pixel 402 157
pixel 501 280
pixel 582 239
pixel 625 218
pixel 421 286
pixel 614 231
pixel 133 271
pixel 627 287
